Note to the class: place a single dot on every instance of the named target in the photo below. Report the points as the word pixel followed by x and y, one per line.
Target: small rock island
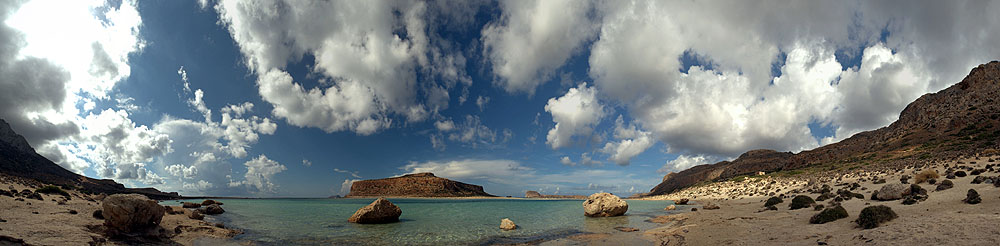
pixel 415 185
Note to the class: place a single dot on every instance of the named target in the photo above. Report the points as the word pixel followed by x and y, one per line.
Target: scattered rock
pixel 212 209
pixel 824 196
pixel 98 214
pixel 604 205
pixel 210 202
pixel 818 207
pixel 950 176
pixel 893 192
pixel 682 201
pixel 772 208
pixel 773 201
pixel 379 211
pixel 873 216
pixel 801 201
pixel 829 214
pixel 710 207
pixel 932 181
pixel 972 197
pixel 694 209
pixel 978 180
pixel 35 195
pixel 131 212
pixel 73 211
pixel 196 215
pixel 944 185
pixel 879 181
pixel 904 179
pixel 671 207
pixel 191 205
pixel 506 224
pixel 626 229
pixel 960 174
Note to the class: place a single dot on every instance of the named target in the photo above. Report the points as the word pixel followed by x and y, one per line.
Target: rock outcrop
pixel 415 185
pixel 963 115
pixel 131 212
pixel 379 211
pixel 604 205
pixel 212 209
pixel 893 192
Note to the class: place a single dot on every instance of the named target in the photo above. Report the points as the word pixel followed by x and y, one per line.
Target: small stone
pixel 944 185
pixel 694 209
pixel 710 207
pixel 960 174
pixel 98 214
pixel 671 207
pixel 73 211
pixel 972 197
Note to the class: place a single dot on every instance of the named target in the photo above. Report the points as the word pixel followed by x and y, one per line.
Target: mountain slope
pixel 415 185
pixel 17 158
pixel 963 119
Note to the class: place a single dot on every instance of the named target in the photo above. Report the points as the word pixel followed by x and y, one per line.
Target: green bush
pixel 801 201
pixel 52 189
pixel 829 214
pixel 872 216
pixel 773 201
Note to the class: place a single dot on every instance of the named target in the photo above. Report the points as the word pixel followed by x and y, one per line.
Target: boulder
pixel 210 202
pixel 682 201
pixel 604 205
pixel 131 212
pixel 944 185
pixel 379 211
pixel 872 216
pixel 972 197
pixel 506 224
pixel 191 205
pixel 212 209
pixel 196 215
pixel 893 192
pixel 671 207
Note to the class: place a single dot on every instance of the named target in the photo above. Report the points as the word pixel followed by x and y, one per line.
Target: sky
pixel 301 98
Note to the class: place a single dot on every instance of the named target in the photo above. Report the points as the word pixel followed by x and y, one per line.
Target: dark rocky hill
pixel 415 185
pixel 963 119
pixel 19 159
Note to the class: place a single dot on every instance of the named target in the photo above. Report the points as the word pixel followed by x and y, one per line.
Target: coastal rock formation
pixel 18 158
pixel 535 194
pixel 131 212
pixel 190 205
pixel 604 205
pixel 959 120
pixel 379 211
pixel 671 207
pixel 506 224
pixel 972 197
pixel 415 185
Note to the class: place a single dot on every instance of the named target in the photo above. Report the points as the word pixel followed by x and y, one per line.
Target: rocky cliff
pixel 963 119
pixel 415 185
pixel 17 158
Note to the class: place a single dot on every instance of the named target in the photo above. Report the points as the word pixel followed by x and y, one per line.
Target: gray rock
pixel 893 192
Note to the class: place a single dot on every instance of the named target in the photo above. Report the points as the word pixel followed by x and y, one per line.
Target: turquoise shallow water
pixel 423 222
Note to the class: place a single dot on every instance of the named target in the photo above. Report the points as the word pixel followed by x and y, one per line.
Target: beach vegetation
pixel 829 214
pixel 873 216
pixel 801 201
pixel 925 175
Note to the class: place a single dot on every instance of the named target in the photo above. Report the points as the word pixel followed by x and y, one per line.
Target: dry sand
pixel 943 219
pixel 47 222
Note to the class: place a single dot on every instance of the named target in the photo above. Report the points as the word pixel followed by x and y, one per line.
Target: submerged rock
pixel 604 205
pixel 506 224
pixel 131 212
pixel 212 209
pixel 379 211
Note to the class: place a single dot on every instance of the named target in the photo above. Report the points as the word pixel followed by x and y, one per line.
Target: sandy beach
pixel 56 221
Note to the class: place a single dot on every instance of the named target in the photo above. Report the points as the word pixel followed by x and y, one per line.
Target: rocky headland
pixel 415 185
pixel 535 194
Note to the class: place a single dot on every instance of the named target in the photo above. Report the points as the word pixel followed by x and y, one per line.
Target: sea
pixel 423 222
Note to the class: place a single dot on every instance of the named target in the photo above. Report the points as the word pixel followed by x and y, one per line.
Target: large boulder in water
pixel 212 209
pixel 893 192
pixel 604 205
pixel 379 211
pixel 506 224
pixel 131 212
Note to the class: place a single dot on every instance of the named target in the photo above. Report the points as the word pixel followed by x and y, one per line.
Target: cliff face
pixel 415 185
pixel 962 119
pixel 17 158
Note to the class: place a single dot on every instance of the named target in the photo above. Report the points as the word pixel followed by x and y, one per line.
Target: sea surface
pixel 423 222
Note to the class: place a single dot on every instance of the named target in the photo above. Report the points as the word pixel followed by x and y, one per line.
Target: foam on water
pixel 423 222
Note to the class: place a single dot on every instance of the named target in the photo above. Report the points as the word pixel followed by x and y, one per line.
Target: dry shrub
pixel 925 175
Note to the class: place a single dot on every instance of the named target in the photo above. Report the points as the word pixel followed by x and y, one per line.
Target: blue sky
pixel 300 98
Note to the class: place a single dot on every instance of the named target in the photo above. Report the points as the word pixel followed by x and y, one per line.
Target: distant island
pixel 415 185
pixel 535 194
